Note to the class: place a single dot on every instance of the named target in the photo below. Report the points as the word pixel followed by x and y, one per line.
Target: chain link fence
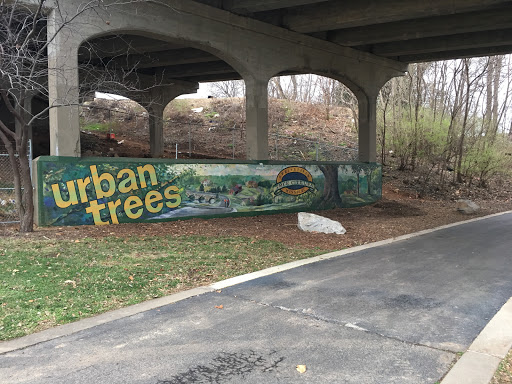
pixel 8 211
pixel 219 136
pixel 216 139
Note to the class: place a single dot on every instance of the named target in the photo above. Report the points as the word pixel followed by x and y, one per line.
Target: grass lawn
pixel 44 283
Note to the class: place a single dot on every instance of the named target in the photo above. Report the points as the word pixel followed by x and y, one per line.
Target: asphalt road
pixel 397 313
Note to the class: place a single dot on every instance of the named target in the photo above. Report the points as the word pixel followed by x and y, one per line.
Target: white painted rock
pixel 467 207
pixel 309 222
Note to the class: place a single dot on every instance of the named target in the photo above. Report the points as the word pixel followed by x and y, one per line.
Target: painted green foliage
pixel 93 191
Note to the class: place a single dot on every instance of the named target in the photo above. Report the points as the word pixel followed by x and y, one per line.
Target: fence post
pixel 277 145
pixel 189 142
pixel 234 128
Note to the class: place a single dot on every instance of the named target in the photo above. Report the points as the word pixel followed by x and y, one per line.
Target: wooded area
pixel 449 121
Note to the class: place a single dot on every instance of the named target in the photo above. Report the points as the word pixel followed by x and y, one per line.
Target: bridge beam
pixel 356 13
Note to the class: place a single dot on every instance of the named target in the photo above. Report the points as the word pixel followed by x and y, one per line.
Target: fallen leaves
pixel 219 306
pixel 70 282
pixel 301 368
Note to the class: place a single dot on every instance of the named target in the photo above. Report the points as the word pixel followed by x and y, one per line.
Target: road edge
pixel 479 363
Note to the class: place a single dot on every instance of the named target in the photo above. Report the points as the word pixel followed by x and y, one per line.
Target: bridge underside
pixel 154 51
pixel 406 31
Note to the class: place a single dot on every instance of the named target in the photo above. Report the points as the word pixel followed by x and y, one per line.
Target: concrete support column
pixel 256 102
pixel 156 129
pixel 367 127
pixel 63 88
pixel 155 100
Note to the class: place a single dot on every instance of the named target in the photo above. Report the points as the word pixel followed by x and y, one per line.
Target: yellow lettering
pixel 82 184
pixel 58 197
pixel 176 197
pixel 95 209
pixel 112 209
pixel 151 198
pixel 142 177
pixel 132 203
pixel 96 180
pixel 128 184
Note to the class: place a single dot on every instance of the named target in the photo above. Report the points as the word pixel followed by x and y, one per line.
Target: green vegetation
pixel 210 115
pixel 44 283
pixel 100 127
pixel 448 134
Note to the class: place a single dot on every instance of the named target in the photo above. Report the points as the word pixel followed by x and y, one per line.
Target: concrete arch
pixel 367 109
pixel 157 34
pixel 156 96
pixel 104 110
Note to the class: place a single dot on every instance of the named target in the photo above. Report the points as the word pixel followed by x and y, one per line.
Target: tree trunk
pixel 460 150
pixel 294 88
pixel 279 89
pixel 331 197
pixel 489 96
pixel 27 216
pixel 18 157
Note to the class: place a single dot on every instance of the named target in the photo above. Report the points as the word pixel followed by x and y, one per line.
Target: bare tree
pixel 230 88
pixel 23 66
pixel 449 118
pixel 24 42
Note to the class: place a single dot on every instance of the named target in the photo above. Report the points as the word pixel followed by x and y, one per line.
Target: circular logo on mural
pixel 294 181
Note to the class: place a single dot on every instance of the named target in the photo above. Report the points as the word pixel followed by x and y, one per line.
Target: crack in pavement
pixel 310 314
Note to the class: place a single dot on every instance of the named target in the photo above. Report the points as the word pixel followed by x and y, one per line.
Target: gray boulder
pixel 310 222
pixel 467 207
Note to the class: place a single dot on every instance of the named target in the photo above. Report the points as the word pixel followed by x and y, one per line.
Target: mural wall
pixel 93 191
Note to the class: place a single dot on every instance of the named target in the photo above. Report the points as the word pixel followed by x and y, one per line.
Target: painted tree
pixel 368 171
pixel 331 196
pixel 357 168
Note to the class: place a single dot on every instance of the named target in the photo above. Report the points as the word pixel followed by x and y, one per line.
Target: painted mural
pixel 92 191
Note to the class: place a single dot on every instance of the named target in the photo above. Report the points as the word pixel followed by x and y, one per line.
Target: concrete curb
pixel 68 329
pixel 480 361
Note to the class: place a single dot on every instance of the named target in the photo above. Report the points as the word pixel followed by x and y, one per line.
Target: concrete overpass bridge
pixel 161 49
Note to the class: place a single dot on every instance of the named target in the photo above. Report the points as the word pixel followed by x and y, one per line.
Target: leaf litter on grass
pixel 44 282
